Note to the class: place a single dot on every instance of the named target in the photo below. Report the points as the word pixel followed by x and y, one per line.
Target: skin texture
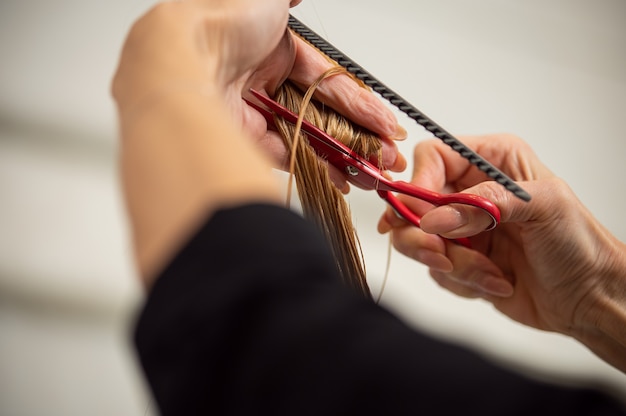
pixel 549 264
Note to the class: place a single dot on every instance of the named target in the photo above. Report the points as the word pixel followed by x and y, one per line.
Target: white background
pixel 551 71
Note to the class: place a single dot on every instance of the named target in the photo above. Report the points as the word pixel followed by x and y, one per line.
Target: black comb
pixel 407 108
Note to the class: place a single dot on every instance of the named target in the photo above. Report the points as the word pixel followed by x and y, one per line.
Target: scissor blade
pixel 360 172
pixel 312 131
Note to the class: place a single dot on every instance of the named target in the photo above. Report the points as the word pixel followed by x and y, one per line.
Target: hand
pixel 549 264
pixel 196 43
pixel 232 47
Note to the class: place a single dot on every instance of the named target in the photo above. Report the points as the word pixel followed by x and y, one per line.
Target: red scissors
pixel 366 175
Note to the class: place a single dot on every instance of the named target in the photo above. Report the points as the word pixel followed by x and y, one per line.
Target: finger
pixel 464 272
pixel 272 144
pixel 436 166
pixel 476 271
pixel 429 172
pixel 439 168
pixel 459 289
pixel 343 94
pixel 454 221
pixel 463 290
pixel 426 249
pixel 393 160
pixel 339 179
pixel 390 220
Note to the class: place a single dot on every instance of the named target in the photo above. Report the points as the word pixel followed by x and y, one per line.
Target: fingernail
pixel 400 133
pixel 392 158
pixel 434 260
pixel 394 161
pixel 443 220
pixel 400 164
pixel 383 227
pixel 497 286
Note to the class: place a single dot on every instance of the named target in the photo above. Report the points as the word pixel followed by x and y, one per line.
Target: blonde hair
pixel 321 201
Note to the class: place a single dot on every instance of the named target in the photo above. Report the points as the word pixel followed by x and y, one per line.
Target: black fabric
pixel 250 319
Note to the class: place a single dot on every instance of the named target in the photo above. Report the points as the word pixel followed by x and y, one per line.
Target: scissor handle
pixel 438 199
pixel 404 212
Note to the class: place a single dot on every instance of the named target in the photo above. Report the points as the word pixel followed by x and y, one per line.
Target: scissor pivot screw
pixel 352 171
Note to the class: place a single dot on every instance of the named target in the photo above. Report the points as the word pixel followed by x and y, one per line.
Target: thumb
pixel 456 220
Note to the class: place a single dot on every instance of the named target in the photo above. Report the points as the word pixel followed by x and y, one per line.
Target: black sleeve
pixel 250 319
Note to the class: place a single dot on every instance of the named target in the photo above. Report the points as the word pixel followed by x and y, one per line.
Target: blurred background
pixel 550 71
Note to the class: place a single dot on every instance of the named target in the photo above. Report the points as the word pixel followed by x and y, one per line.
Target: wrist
pixel 600 319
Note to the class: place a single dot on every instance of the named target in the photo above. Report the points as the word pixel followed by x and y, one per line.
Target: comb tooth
pixel 407 108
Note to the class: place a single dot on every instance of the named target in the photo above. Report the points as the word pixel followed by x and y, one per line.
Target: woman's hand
pixel 177 86
pixel 234 46
pixel 549 264
pixel 196 43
